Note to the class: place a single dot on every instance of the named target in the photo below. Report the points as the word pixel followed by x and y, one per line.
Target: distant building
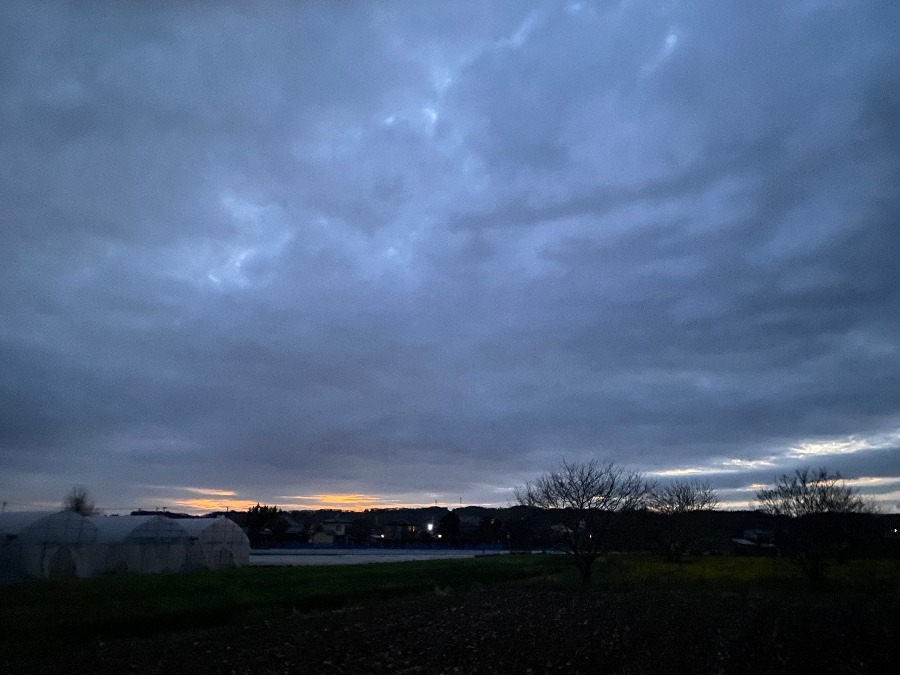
pixel 143 544
pixel 755 543
pixel 215 544
pixel 330 532
pixel 47 545
pixel 399 531
pixel 295 529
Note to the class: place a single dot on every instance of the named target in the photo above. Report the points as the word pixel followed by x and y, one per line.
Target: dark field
pixel 503 614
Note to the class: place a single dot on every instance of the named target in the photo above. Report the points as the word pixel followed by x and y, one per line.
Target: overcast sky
pixel 405 252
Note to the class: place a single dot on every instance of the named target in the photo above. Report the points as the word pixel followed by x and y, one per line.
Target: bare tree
pixel 676 502
pixel 683 497
pixel 817 504
pixel 810 492
pixel 80 501
pixel 585 494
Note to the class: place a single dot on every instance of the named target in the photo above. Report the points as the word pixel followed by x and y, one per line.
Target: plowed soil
pixel 533 627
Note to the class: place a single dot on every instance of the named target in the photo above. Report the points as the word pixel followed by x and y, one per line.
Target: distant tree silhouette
pixel 526 533
pixel 80 501
pixel 585 494
pixel 450 530
pixel 676 502
pixel 489 531
pixel 359 531
pixel 816 504
pixel 264 523
pixel 810 492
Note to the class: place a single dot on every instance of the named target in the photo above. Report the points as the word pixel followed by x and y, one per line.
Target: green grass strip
pixel 139 604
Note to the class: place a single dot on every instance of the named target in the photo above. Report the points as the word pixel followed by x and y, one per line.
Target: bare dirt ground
pixel 533 627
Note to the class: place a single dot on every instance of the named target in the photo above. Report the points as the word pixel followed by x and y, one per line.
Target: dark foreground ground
pixel 524 628
pixel 543 625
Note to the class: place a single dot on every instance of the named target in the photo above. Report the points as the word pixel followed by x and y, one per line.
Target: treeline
pixel 527 528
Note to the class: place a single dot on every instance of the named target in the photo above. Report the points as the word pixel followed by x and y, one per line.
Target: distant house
pixel 330 532
pixel 399 531
pixel 321 538
pixel 295 528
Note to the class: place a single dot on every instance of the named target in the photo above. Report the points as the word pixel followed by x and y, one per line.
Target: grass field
pixel 139 603
pixel 710 615
pixel 748 575
pixel 131 604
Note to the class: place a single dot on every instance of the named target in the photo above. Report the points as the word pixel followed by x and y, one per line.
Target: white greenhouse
pixel 215 544
pixel 143 544
pixel 47 545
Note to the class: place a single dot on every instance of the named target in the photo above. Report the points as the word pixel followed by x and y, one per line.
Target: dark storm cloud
pixel 399 249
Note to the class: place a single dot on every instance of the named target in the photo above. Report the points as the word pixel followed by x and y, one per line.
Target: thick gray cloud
pixel 406 250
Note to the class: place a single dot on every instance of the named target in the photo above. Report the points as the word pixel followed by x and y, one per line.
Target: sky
pixel 389 253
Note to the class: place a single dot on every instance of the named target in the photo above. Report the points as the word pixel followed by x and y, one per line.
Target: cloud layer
pixel 423 252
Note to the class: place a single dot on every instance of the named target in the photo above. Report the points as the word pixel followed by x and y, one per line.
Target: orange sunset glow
pixel 209 499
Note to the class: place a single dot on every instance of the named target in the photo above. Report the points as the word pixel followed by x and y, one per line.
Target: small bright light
pixel 439 536
pixel 430 526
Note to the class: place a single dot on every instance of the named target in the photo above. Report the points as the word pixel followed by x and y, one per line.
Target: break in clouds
pixel 423 250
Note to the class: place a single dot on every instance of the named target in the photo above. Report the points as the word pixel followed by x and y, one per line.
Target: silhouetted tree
pixel 449 529
pixel 359 531
pixel 682 497
pixel 585 494
pixel 80 501
pixel 490 531
pixel 808 492
pixel 525 534
pixel 676 502
pixel 265 523
pixel 816 504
